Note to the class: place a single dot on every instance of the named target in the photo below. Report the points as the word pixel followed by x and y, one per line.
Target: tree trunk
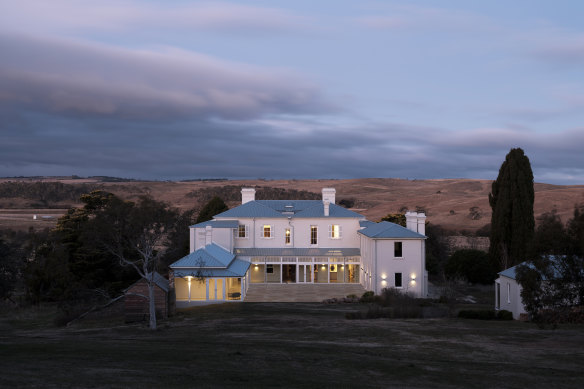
pixel 152 304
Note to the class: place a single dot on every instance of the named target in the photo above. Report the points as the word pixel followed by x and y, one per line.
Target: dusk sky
pixel 291 89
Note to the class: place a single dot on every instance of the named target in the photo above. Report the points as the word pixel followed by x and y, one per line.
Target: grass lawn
pixel 288 345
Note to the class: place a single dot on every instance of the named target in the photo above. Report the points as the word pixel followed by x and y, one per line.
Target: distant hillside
pixel 456 204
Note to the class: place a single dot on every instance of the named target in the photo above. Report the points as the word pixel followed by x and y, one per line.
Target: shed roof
pixel 388 230
pixel 217 224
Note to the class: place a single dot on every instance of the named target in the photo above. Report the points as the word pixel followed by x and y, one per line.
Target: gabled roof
pixel 286 208
pixel 387 230
pixel 210 256
pixel 217 224
pixel 366 223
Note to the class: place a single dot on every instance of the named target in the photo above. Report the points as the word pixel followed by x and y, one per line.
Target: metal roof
pixel 298 252
pixel 237 268
pixel 366 223
pixel 217 224
pixel 287 208
pixel 209 256
pixel 159 280
pixel 387 230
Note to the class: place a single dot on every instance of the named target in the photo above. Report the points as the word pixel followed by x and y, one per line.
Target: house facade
pixel 508 294
pixel 298 242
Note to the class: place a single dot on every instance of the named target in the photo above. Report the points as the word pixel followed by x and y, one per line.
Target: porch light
pixel 256 267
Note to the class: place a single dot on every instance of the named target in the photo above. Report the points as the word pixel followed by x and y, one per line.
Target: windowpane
pixel 335 231
pixel 288 235
pixel 313 235
pixel 397 249
pixel 242 231
pixel 267 231
pixel 398 280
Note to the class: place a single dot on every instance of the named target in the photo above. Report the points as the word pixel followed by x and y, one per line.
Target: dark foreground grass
pixel 291 345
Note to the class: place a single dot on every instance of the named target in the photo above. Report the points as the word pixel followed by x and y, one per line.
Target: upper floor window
pixel 242 231
pixel 335 231
pixel 397 249
pixel 288 236
pixel 313 235
pixel 267 233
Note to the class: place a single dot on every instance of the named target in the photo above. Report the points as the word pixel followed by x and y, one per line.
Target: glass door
pixel 304 274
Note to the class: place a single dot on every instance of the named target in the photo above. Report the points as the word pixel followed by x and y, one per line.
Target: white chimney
pixel 247 195
pixel 328 194
pixel 326 208
pixel 208 235
pixel 416 222
pixel 421 223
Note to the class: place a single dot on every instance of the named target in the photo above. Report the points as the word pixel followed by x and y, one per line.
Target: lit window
pixel 313 235
pixel 398 280
pixel 267 231
pixel 397 249
pixel 242 231
pixel 335 231
pixel 288 236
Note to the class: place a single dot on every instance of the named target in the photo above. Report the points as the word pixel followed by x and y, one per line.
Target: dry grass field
pixel 286 345
pixel 457 204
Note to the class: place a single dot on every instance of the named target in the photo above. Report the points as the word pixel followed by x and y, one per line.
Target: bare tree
pixel 135 234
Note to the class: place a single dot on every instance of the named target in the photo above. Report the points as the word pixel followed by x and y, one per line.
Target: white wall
pixel 377 257
pixel 300 233
pixel 224 237
pixel 510 297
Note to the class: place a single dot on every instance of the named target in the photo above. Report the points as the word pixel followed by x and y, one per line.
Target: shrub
pixel 479 314
pixel 368 297
pixel 504 315
pixel 472 265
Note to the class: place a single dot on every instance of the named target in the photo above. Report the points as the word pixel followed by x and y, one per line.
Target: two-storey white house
pixel 300 242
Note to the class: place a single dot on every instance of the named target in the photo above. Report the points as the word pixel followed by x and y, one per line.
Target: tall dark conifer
pixel 511 199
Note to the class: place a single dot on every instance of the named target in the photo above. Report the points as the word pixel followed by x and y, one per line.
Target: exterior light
pixel 256 267
pixel 383 282
pixel 383 276
pixel 413 276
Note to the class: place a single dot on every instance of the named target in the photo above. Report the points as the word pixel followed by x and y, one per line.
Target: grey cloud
pixel 203 148
pixel 72 77
pixel 66 16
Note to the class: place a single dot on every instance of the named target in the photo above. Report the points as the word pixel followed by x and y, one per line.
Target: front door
pixel 304 273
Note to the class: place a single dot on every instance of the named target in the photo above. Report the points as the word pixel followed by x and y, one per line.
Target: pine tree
pixel 215 206
pixel 511 199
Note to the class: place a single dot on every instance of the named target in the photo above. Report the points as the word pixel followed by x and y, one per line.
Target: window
pixel 508 293
pixel 270 269
pixel 287 236
pixel 398 280
pixel 335 231
pixel 242 231
pixel 313 235
pixel 267 231
pixel 397 249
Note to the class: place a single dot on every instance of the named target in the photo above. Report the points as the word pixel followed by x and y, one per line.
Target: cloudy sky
pixel 291 89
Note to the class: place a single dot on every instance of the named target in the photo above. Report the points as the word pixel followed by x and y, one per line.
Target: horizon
pixel 245 89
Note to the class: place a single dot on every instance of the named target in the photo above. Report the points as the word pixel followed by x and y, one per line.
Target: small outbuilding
pixel 136 299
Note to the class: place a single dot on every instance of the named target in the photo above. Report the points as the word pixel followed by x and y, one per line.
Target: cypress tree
pixel 512 222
